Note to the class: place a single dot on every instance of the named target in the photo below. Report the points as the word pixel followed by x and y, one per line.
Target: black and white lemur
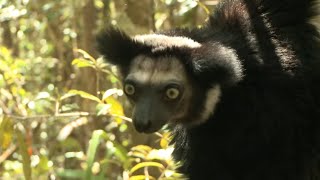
pixel 241 93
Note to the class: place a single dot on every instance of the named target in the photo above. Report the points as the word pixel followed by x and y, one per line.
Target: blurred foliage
pixel 62 109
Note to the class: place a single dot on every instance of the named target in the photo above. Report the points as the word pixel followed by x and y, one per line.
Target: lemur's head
pixel 169 79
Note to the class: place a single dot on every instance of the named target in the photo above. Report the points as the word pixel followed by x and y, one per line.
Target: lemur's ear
pixel 117 47
pixel 215 63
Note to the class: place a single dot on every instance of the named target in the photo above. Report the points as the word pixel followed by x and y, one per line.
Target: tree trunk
pixel 7 38
pixel 86 77
pixel 141 13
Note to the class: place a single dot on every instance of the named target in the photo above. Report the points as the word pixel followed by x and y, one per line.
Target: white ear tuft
pixel 159 41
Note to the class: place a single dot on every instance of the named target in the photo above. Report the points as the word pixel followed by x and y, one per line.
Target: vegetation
pixel 62 111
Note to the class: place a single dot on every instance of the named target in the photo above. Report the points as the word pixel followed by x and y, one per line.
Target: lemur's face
pixel 159 91
pixel 170 78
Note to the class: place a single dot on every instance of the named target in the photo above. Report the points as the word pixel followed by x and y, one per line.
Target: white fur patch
pixel 233 59
pixel 159 41
pixel 212 98
pixel 148 71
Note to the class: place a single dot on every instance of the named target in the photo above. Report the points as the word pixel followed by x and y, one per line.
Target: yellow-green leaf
pixel 165 140
pixel 116 108
pixel 142 149
pixel 67 95
pixel 84 95
pixel 86 55
pixel 82 63
pixel 6 131
pixel 146 164
pixel 138 155
pixel 141 177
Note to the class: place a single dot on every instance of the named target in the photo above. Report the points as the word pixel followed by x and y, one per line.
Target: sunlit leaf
pixel 142 148
pixel 141 177
pixel 67 95
pixel 84 95
pixel 101 63
pixel 67 129
pixel 116 108
pixel 165 140
pixel 5 53
pixel 86 55
pixel 138 155
pixel 111 92
pixel 43 95
pixel 64 132
pixel 82 63
pixel 99 4
pixel 160 154
pixel 103 109
pixel 146 164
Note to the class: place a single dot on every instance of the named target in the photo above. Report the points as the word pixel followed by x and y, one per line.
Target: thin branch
pixel 4 107
pixel 7 153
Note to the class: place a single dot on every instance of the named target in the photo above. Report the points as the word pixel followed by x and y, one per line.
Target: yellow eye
pixel 129 89
pixel 172 93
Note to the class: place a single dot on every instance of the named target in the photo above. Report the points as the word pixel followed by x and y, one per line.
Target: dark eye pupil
pixel 172 93
pixel 129 89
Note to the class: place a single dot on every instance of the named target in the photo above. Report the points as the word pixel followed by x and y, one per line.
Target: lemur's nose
pixel 142 125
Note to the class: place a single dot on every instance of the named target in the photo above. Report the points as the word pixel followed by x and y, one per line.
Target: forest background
pixel 62 111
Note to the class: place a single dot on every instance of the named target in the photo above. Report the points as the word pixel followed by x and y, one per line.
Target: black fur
pixel 267 123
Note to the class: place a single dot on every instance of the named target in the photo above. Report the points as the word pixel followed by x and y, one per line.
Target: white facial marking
pixel 156 71
pixel 212 98
pixel 160 42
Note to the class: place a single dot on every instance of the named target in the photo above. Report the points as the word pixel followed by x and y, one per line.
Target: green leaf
pixel 25 156
pixel 146 164
pixel 92 149
pixel 83 95
pixel 121 153
pixel 82 63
